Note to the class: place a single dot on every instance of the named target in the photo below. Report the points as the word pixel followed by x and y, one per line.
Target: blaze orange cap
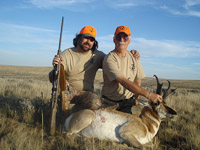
pixel 89 31
pixel 124 29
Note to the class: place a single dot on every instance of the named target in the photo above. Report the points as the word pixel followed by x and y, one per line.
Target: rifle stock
pixel 56 86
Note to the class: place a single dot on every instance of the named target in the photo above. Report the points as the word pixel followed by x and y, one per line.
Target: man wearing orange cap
pixel 122 74
pixel 80 65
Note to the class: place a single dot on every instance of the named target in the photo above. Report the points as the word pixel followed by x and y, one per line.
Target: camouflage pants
pixel 81 99
pixel 122 105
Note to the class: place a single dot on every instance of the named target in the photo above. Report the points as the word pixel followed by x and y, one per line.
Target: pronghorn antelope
pixel 109 124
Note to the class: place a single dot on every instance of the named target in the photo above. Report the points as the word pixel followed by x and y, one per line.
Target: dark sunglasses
pixel 119 37
pixel 90 38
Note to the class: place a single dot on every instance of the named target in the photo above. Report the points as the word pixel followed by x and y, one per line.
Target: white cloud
pixel 121 3
pixel 190 3
pixel 198 64
pixel 18 33
pixel 57 3
pixel 183 7
pixel 194 13
pixel 129 3
pixel 187 8
pixel 172 11
pixel 155 48
pixel 17 39
pixel 89 3
pixel 166 48
pixel 27 39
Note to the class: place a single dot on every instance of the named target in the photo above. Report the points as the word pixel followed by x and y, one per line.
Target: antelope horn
pixel 159 86
pixel 168 91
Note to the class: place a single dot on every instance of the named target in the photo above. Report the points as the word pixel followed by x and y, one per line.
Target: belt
pixel 118 101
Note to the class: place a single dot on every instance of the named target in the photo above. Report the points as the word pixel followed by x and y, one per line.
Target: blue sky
pixel 165 32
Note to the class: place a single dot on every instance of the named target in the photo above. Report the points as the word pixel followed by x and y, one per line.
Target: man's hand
pixel 56 60
pixel 154 97
pixel 136 54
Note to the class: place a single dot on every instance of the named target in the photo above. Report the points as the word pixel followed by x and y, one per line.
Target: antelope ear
pixel 170 111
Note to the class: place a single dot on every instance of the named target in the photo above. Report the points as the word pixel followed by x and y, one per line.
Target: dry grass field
pixel 25 94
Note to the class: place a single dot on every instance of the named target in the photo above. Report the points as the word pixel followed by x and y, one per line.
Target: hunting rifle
pixel 58 85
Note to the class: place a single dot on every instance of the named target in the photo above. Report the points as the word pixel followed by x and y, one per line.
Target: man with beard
pixel 80 65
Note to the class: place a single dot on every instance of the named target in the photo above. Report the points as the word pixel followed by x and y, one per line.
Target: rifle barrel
pixel 59 47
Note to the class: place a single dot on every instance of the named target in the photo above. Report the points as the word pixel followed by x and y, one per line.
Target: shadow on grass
pixel 27 111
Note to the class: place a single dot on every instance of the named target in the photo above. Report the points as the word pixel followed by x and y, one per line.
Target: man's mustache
pixel 121 43
pixel 86 43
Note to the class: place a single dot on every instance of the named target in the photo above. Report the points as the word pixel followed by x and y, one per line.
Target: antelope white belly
pixel 105 126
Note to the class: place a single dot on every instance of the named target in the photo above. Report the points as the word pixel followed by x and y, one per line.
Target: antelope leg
pixel 78 121
pixel 128 131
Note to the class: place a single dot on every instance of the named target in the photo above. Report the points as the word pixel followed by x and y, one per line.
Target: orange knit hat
pixel 89 31
pixel 124 29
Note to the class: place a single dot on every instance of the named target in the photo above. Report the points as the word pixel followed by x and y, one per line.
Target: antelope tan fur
pixel 109 124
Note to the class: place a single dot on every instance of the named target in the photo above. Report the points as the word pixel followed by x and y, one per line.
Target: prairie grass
pixel 183 133
pixel 25 88
pixel 18 136
pixel 25 94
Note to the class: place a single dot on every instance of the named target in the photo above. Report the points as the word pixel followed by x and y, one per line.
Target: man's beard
pixel 83 46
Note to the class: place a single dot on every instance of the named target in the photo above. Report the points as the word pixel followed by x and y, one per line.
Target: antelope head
pixel 160 107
